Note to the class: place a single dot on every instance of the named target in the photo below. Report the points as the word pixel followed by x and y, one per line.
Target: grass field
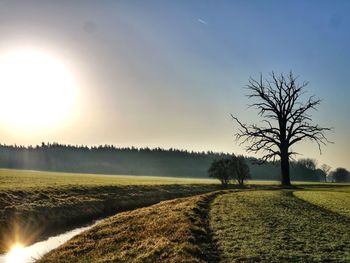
pixel 23 180
pixel 227 226
pixel 275 226
pixel 34 204
pixel 262 223
pixel 335 201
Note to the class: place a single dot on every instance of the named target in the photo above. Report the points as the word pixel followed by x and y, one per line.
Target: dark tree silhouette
pixel 228 169
pixel 242 172
pixel 341 175
pixel 220 169
pixel 308 163
pixel 286 118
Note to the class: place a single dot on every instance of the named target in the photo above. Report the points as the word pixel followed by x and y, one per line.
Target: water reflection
pixel 17 254
pixel 20 254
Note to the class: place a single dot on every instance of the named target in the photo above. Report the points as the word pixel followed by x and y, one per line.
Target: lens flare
pixel 17 254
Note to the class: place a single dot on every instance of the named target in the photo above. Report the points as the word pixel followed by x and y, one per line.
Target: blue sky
pixel 169 73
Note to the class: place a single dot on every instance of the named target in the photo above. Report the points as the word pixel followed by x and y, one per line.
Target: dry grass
pixel 47 203
pixel 172 231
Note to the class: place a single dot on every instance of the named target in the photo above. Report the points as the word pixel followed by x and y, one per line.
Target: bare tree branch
pixel 280 105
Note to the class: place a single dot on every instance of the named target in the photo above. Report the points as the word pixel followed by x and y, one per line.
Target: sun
pixel 17 254
pixel 36 89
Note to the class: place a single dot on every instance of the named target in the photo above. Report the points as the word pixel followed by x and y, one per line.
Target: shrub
pixel 228 169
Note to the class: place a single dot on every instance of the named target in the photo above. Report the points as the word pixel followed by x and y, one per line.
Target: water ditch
pixel 30 254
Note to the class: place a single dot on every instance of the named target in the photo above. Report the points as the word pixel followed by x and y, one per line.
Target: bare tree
pixel 242 172
pixel 219 169
pixel 286 120
pixel 228 169
pixel 308 163
pixel 325 168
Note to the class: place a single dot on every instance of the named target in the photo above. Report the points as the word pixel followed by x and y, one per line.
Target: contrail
pixel 202 21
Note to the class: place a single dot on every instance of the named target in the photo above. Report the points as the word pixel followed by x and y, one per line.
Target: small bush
pixel 229 169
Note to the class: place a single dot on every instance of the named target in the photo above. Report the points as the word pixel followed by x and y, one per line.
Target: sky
pixel 170 73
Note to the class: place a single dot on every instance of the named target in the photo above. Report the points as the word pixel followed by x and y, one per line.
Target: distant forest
pixel 108 159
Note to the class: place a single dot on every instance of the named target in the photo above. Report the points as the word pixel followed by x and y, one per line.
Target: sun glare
pixel 17 254
pixel 36 89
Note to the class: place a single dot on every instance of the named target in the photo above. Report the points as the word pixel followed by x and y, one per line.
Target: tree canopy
pixel 229 169
pixel 341 175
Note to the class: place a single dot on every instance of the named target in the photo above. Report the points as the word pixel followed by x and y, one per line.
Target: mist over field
pixel 134 161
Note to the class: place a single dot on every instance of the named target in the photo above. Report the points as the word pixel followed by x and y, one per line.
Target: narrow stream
pixel 37 250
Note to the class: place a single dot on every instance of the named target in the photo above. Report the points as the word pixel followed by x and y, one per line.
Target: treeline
pixel 108 159
pixel 339 175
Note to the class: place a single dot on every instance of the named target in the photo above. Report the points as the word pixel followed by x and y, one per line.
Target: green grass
pixel 328 187
pixel 23 179
pixel 27 180
pixel 275 226
pixel 335 201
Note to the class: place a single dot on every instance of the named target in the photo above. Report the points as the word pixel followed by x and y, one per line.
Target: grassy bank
pixel 275 226
pixel 172 231
pixel 247 225
pixel 35 204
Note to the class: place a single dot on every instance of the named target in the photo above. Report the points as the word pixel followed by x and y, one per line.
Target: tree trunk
pixel 285 178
